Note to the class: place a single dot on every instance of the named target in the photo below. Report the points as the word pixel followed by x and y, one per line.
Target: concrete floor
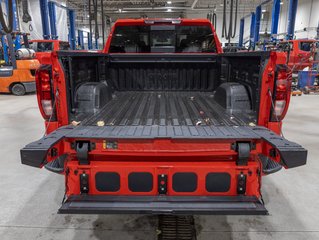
pixel 29 197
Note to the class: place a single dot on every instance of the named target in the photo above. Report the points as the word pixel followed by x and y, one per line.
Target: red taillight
pixel 281 95
pixel 44 92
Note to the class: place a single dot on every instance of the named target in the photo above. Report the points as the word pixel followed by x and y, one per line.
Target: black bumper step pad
pixel 102 204
pixel 269 166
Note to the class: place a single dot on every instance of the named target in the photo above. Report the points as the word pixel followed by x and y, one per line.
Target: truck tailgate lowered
pixel 291 154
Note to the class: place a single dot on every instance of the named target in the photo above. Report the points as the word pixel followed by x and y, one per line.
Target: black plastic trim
pixel 35 153
pixel 157 58
pixel 263 54
pixel 140 182
pixel 107 181
pixel 218 182
pixel 184 182
pixel 29 86
pixel 218 205
pixel 292 154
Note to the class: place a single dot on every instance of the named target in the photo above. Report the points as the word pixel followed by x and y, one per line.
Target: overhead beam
pixel 292 11
pixel 241 32
pixel 81 39
pixel 275 17
pixel 52 16
pixel 90 46
pixel 257 25
pixel 15 15
pixel 45 19
pixel 252 31
pixel 72 36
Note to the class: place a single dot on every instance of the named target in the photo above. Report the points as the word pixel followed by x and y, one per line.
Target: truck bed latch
pixel 82 150
pixel 243 149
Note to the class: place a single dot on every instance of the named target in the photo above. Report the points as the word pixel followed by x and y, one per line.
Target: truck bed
pixel 148 108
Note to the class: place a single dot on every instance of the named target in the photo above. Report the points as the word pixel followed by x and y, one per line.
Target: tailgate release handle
pixel 243 149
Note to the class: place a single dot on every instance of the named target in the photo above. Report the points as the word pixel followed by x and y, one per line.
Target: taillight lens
pixel 47 107
pixel 279 107
pixel 281 95
pixel 45 92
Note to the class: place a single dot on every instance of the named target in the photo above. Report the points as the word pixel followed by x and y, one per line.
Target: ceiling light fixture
pixel 264 10
pixel 281 3
pixel 169 2
pixel 169 10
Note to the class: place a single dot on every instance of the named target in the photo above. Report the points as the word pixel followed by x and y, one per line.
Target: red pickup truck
pixel 301 53
pixel 163 122
pixel 44 47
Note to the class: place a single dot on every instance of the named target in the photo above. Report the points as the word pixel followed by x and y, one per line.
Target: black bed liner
pixel 170 108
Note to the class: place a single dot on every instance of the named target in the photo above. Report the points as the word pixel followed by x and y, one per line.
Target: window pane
pixel 33 45
pixel 64 46
pixel 130 39
pixel 44 47
pixel 195 39
pixel 146 39
pixel 305 46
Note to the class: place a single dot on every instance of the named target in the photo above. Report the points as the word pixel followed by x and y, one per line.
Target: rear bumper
pixel 29 86
pixel 98 204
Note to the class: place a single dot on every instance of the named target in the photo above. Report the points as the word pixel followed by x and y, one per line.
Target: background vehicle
pixel 44 48
pixel 163 122
pixel 301 53
pixel 295 91
pixel 18 76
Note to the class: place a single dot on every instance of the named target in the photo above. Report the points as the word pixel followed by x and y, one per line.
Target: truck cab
pixel 301 53
pixel 162 121
pixel 44 48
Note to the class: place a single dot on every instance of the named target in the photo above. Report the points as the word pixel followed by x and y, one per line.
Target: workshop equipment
pixel 18 75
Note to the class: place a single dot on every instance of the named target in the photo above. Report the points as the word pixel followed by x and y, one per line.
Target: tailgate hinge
pixel 82 152
pixel 243 149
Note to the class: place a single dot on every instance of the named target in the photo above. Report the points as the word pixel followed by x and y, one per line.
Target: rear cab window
pixel 64 46
pixel 305 46
pixel 163 39
pixel 42 46
pixel 284 46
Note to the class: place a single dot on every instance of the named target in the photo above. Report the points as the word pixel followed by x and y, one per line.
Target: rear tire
pixel 18 89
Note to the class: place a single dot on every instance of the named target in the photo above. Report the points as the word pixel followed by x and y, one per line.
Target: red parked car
pixel 162 122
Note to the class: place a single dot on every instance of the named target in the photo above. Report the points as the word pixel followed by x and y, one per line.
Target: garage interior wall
pixel 307 17
pixel 35 26
pixel 62 22
pixel 219 25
